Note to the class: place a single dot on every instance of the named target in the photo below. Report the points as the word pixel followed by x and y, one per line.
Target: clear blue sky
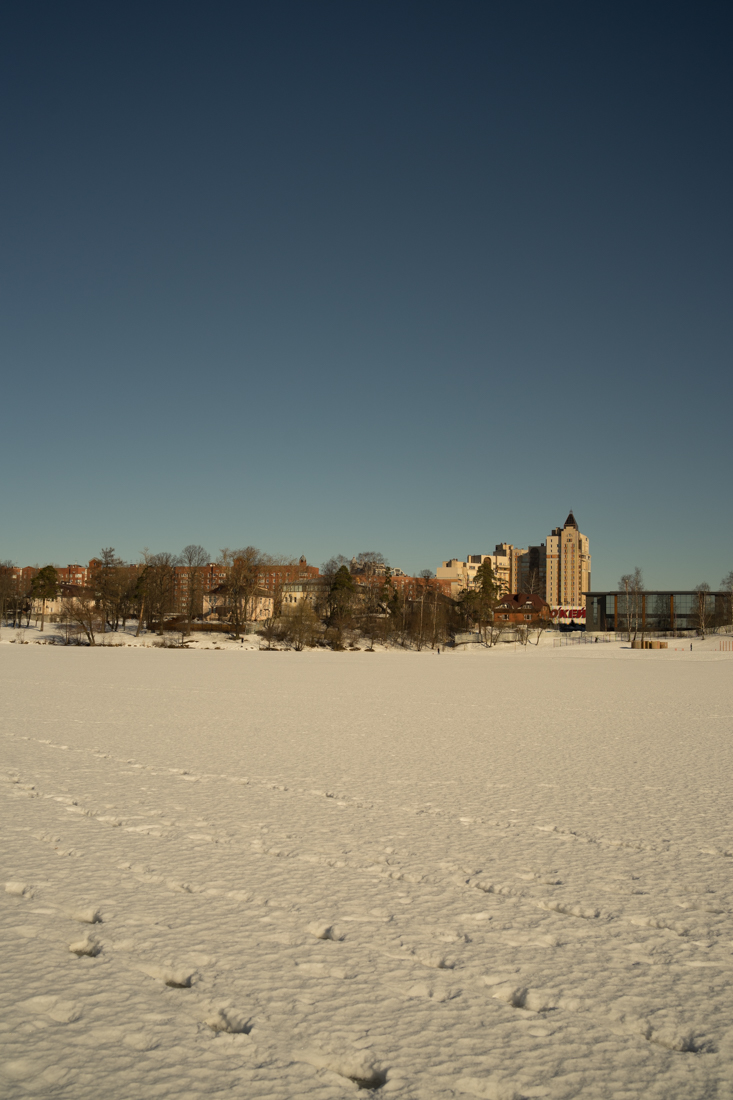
pixel 326 277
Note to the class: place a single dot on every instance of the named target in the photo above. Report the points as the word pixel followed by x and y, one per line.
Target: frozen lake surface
pixel 278 875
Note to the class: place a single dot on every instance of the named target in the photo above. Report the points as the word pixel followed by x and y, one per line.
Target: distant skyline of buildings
pixel 558 569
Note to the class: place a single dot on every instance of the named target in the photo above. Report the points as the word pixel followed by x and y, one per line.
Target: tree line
pixel 351 600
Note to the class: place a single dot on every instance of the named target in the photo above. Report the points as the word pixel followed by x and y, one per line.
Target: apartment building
pixel 568 566
pixel 505 565
pixel 557 570
pixel 273 577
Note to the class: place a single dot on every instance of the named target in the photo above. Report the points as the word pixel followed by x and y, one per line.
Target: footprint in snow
pixel 585 912
pixel 224 1018
pixel 19 889
pixel 358 1068
pixel 683 1040
pixel 323 931
pixel 86 947
pixel 86 916
pixel 57 1009
pixel 430 991
pixel 176 978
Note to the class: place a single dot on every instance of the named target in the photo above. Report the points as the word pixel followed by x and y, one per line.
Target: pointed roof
pixel 570 521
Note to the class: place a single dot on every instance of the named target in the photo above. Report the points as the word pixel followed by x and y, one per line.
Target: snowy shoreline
pixel 53 636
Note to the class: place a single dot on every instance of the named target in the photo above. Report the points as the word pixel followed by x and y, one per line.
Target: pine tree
pixel 44 586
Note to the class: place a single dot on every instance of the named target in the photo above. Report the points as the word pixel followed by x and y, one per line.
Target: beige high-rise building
pixel 568 566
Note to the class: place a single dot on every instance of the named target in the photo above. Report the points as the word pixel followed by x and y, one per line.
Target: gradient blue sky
pixel 324 277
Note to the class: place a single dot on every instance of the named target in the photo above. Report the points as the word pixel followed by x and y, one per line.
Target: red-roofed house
pixel 522 608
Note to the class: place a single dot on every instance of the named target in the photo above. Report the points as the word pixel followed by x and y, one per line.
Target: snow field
pixel 503 874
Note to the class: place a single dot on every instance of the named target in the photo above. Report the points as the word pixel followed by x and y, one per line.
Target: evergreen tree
pixel 479 602
pixel 44 586
pixel 341 598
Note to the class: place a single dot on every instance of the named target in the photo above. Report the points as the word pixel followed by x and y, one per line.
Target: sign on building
pixel 567 615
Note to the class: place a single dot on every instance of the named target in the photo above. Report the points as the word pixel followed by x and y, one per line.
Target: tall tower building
pixel 568 565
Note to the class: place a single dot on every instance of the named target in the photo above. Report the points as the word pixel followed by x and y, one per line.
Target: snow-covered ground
pixel 278 875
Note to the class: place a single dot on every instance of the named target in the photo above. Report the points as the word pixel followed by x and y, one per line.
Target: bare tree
pixel 192 562
pixel 81 610
pixel 301 625
pixel 129 595
pixel 702 614
pixel 539 626
pixel 495 628
pixel 271 632
pixel 425 591
pixel 631 595
pixel 6 587
pixel 727 585
pixel 370 563
pixel 274 572
pixel 533 585
pixel 158 583
pixel 109 580
pixel 242 568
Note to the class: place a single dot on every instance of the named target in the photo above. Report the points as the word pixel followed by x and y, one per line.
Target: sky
pixel 410 277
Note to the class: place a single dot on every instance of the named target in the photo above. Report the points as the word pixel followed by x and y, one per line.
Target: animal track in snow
pixel 544 1000
pixel 224 1018
pixel 502 889
pixel 585 912
pixel 540 878
pixel 86 916
pixel 323 931
pixel 63 1012
pixel 56 844
pixel 175 977
pixel 607 842
pixel 434 960
pixel 663 925
pixel 19 889
pixel 359 1068
pixel 88 947
pixel 433 991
